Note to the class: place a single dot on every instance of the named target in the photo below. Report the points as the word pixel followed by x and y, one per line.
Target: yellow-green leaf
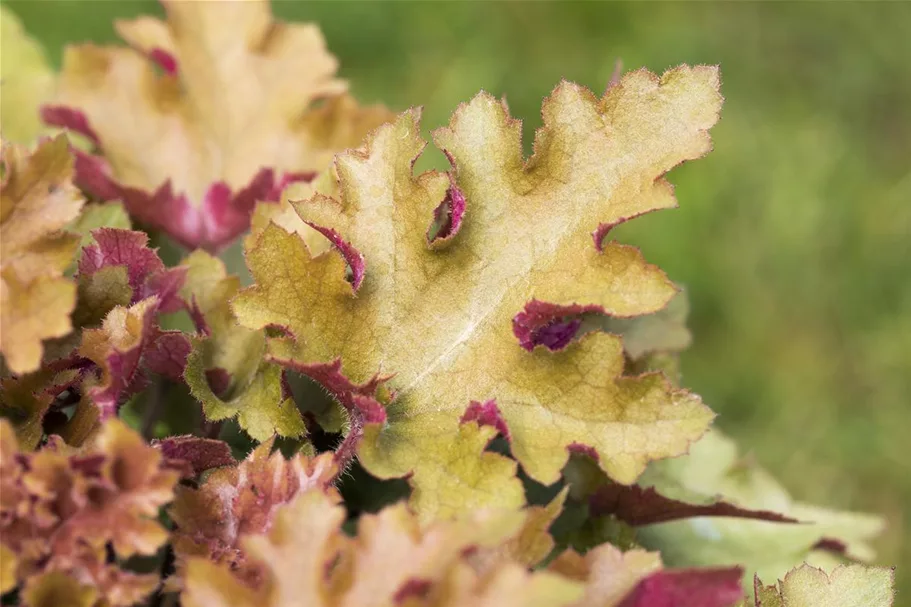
pixel 253 392
pixel 439 316
pixel 846 586
pixel 714 469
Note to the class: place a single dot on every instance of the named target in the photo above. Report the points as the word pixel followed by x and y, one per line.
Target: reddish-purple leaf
pixel 167 354
pixel 688 588
pixel 448 216
pixel 192 455
pixel 146 273
pixel 639 506
pixel 550 325
pixel 486 414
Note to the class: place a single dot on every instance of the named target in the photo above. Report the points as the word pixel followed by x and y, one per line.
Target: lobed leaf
pixel 225 369
pixel 391 561
pixel 436 315
pixel 241 500
pixel 125 349
pixel 209 111
pixel 37 200
pixel 60 510
pixel 613 574
pixel 845 586
pixel 192 455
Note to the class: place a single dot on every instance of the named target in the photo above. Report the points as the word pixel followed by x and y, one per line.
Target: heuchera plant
pixel 474 331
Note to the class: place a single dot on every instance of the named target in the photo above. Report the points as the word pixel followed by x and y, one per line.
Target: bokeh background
pixel 793 237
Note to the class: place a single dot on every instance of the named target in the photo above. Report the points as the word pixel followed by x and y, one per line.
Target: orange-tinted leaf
pixel 117 348
pixel 307 560
pixel 60 509
pixel 125 349
pixel 609 574
pixel 209 112
pixel 37 200
pixel 8 564
pixel 242 500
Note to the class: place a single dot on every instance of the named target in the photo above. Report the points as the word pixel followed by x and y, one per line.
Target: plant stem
pixel 347 449
pixel 153 408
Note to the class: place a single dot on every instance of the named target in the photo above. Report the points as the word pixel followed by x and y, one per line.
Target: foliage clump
pixel 474 331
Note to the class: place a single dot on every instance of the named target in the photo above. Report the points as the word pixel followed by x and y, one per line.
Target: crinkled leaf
pixel 225 369
pixel 26 80
pixel 242 500
pixel 261 407
pixel 37 200
pixel 609 574
pixel 60 510
pixel 530 546
pixel 98 294
pixel 391 561
pixel 124 349
pixel 208 112
pixel 714 469
pixel 146 273
pixel 192 455
pixel 845 586
pixel 438 318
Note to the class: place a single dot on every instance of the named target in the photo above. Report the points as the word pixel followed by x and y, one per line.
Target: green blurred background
pixel 793 236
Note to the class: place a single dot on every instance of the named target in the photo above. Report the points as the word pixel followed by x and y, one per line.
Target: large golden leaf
pixel 435 308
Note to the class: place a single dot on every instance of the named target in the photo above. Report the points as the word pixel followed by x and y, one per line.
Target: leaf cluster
pixel 448 388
